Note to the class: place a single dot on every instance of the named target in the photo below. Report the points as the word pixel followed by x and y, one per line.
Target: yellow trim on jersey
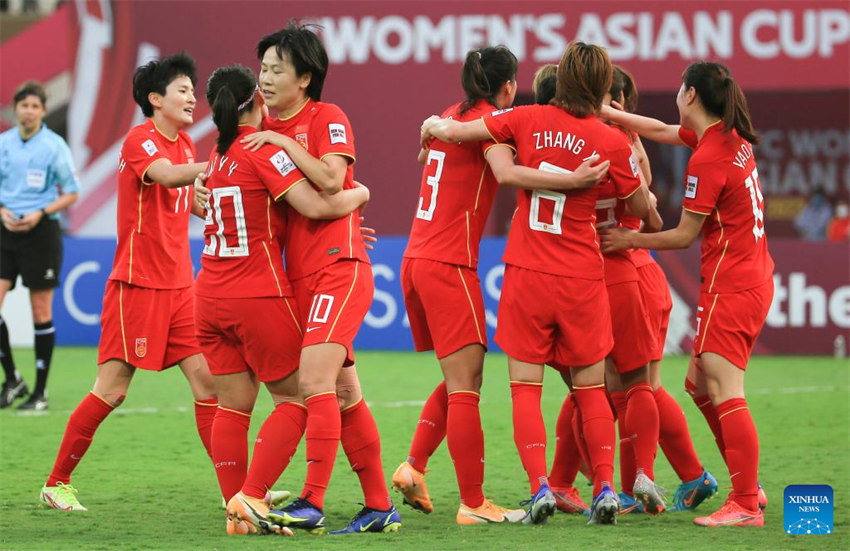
pixel 720 238
pixel 733 411
pixel 490 133
pixel 707 322
pixel 236 411
pixel 145 182
pixel 294 317
pixel 284 192
pixel 341 154
pixel 350 235
pixel 271 265
pixel 121 317
pixel 487 150
pixel 344 302
pixel 139 225
pixel 296 112
pixel 163 134
pixel 696 211
pixel 471 305
pixel 269 216
pixel 716 268
pixel 630 194
pixel 130 267
pixel 468 250
pixel 480 185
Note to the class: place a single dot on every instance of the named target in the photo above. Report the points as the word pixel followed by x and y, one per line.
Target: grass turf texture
pixel 149 485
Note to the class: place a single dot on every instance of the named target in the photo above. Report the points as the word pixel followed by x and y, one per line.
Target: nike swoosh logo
pixel 364 528
pixel 690 499
pixel 312 329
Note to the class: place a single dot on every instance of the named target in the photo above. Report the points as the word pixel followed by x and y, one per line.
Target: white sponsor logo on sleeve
pixel 282 162
pixel 691 187
pixel 634 166
pixel 149 147
pixel 337 133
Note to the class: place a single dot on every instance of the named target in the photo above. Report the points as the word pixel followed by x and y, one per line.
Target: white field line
pixel 420 403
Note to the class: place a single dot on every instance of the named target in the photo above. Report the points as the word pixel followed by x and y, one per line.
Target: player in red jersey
pixel 441 287
pixel 331 276
pixel 147 319
pixel 723 200
pixel 242 291
pixel 553 245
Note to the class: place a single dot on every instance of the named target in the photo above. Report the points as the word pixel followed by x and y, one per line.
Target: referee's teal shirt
pixel 33 171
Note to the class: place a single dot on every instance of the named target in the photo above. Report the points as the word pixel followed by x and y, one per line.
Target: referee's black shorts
pixel 36 255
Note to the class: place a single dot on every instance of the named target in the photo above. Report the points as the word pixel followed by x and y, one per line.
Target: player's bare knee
pixel 348 395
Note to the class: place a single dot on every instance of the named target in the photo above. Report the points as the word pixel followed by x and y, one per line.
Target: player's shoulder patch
pixel 336 132
pixel 281 161
pixel 634 165
pixel 150 147
pixel 691 187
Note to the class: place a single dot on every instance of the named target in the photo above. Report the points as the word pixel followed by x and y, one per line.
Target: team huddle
pixel 286 282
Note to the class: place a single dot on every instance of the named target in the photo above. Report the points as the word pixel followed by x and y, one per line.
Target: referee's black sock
pixel 45 338
pixel 6 353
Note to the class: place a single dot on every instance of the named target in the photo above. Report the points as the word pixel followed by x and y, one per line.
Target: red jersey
pixel 455 197
pixel 722 183
pixel 323 129
pixel 640 257
pixel 245 224
pixel 153 221
pixel 554 232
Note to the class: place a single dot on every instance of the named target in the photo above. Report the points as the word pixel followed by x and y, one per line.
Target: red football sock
pixel 204 415
pixel 567 460
pixel 230 449
pixel 599 434
pixel 581 445
pixel 742 450
pixel 530 431
pixel 466 445
pixel 431 428
pixel 675 438
pixel 323 434
pixel 707 408
pixel 628 467
pixel 275 445
pixel 642 425
pixel 362 445
pixel 79 432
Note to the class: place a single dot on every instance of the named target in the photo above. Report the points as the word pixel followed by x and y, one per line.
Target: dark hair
pixel 156 75
pixel 30 88
pixel 230 91
pixel 721 97
pixel 305 51
pixel 543 85
pixel 484 73
pixel 623 83
pixel 584 77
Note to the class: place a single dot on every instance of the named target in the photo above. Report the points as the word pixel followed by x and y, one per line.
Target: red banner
pixel 811 303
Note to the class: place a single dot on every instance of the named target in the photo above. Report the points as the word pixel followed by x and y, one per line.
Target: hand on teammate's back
pixel 590 174
pixel 202 193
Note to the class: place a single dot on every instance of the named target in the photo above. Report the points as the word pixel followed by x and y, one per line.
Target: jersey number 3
pixel 439 157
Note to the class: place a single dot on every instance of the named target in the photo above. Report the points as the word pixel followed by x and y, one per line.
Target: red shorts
pixel 249 334
pixel 728 324
pixel 147 328
pixel 658 302
pixel 556 320
pixel 444 305
pixel 333 302
pixel 634 339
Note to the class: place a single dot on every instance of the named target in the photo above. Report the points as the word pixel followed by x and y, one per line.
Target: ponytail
pixel 484 72
pixel 721 96
pixel 224 86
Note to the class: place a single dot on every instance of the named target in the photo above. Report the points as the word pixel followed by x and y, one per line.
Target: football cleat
pixel 411 484
pixel 61 497
pixel 541 506
pixel 762 497
pixel 11 391
pixel 732 514
pixel 605 507
pixel 372 520
pixel 649 494
pixel 690 494
pixel 629 504
pixel 487 513
pixel 300 514
pixel 276 497
pixel 247 515
pixel 35 403
pixel 568 500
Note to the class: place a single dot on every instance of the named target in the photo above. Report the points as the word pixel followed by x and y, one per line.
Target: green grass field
pixel 149 485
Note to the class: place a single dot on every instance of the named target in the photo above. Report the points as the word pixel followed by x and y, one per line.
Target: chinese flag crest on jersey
pixel 302 139
pixel 141 347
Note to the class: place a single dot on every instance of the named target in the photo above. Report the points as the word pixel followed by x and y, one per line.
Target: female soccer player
pixel 723 200
pixel 441 288
pixel 332 281
pixel 147 321
pixel 242 291
pixel 552 245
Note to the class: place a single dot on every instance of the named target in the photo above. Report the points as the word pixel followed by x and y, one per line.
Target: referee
pixel 37 181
